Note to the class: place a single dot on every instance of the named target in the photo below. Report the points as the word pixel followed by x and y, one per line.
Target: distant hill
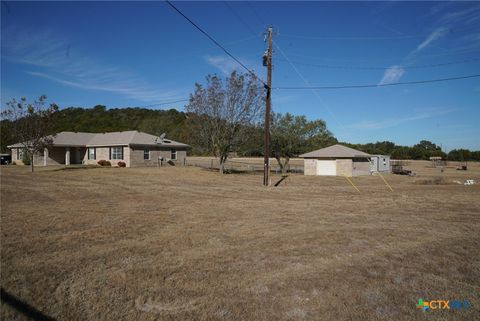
pixel 99 119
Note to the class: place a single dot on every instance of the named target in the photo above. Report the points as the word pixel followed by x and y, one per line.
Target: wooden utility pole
pixel 267 61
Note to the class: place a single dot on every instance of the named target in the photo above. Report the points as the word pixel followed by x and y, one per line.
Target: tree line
pixel 421 151
pixel 223 116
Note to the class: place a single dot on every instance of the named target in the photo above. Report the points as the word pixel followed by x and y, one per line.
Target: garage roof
pixel 336 151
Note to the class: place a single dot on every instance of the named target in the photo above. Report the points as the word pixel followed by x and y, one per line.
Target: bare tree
pixel 32 124
pixel 292 135
pixel 219 115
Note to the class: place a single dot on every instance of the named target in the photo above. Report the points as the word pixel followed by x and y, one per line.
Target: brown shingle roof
pixel 66 139
pixel 141 138
pixel 336 151
pixel 72 139
pixel 112 138
pixel 131 137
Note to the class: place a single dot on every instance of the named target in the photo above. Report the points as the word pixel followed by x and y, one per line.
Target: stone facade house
pixel 132 147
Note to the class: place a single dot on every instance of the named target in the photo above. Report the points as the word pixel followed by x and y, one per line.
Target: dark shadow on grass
pixel 23 307
pixel 228 171
pixel 281 180
pixel 72 168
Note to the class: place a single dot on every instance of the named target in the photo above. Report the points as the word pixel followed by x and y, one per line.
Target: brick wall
pixel 103 153
pixel 310 166
pixel 137 159
pixel 344 167
pixel 361 168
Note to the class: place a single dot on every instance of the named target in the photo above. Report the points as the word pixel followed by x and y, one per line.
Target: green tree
pixel 384 148
pixel 292 135
pixel 253 144
pixel 428 149
pixel 427 146
pixel 416 152
pixel 460 155
pixel 476 156
pixel 7 136
pixel 401 152
pixel 170 122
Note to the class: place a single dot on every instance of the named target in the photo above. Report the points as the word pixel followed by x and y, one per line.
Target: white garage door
pixel 326 167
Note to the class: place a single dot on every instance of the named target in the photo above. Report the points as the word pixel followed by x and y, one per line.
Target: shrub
pixel 103 162
pixel 26 158
pixel 121 164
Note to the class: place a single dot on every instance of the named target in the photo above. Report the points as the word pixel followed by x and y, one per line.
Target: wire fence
pixel 247 166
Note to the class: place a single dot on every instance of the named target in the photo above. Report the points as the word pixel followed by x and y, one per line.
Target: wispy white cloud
pixel 61 81
pixel 435 35
pixel 395 72
pixel 127 88
pixel 392 122
pixel 58 62
pixel 441 6
pixel 467 15
pixel 283 99
pixel 427 42
pixel 392 74
pixel 452 17
pixel 447 19
pixel 225 64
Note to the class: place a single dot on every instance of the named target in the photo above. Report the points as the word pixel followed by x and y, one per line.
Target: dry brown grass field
pixel 177 243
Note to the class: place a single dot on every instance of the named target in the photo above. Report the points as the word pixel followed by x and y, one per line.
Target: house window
pixel 92 153
pixel 116 153
pixel 146 154
pixel 174 154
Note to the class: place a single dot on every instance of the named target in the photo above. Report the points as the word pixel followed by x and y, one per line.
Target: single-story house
pixel 337 160
pixel 132 147
pixel 380 163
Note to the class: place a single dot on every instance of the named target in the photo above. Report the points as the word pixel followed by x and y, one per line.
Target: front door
pixel 75 155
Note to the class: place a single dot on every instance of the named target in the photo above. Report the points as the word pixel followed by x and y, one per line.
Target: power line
pixel 446 53
pixel 157 104
pixel 240 19
pixel 233 42
pixel 382 68
pixel 446 30
pixel 256 14
pixel 327 87
pixel 166 103
pixel 308 84
pixel 353 37
pixel 334 87
pixel 381 85
pixel 214 41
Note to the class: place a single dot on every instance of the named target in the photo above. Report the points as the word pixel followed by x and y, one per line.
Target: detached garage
pixel 336 160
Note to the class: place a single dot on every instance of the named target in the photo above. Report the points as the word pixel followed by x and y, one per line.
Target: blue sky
pixel 123 54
